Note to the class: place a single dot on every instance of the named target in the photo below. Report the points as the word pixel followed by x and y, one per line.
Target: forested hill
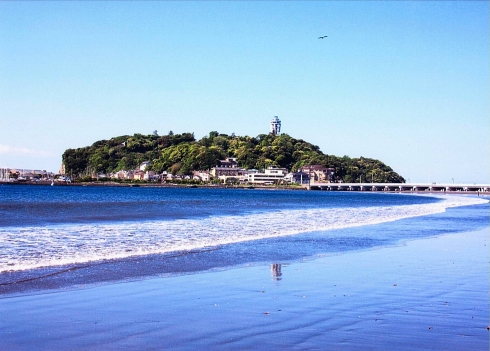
pixel 182 153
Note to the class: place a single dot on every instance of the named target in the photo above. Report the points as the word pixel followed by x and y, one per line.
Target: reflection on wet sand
pixel 276 271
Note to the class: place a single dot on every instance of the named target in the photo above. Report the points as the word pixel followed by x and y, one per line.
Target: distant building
pixel 138 175
pixel 150 175
pixel 203 176
pixel 144 165
pixel 228 168
pixel 230 162
pixel 118 175
pixel 4 174
pixel 318 173
pixel 275 126
pixel 271 175
pixel 298 178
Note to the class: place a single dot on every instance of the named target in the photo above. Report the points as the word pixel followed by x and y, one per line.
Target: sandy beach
pixel 427 294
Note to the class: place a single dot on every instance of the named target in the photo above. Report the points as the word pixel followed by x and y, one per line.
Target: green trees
pixel 367 170
pixel 181 154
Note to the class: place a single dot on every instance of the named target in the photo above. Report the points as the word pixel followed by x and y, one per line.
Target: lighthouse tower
pixel 275 126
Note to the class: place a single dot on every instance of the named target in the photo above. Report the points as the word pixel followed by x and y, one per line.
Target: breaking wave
pixel 41 246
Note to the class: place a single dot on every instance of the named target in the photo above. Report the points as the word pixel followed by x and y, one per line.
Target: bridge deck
pixel 405 187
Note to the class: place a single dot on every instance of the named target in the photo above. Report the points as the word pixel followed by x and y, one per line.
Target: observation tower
pixel 275 126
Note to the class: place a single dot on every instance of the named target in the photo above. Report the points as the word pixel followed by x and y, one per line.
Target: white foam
pixel 34 247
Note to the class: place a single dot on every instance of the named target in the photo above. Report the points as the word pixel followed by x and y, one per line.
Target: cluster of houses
pixel 142 173
pixel 11 174
pixel 229 172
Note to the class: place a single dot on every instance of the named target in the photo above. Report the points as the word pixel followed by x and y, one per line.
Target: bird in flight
pixel 325 36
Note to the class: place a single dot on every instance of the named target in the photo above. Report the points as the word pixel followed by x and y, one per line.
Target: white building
pixel 275 126
pixel 203 176
pixel 271 175
pixel 144 165
pixel 149 175
pixel 297 178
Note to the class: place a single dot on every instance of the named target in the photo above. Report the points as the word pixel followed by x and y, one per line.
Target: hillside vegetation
pixel 182 153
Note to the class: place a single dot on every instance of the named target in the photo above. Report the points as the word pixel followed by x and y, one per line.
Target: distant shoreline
pixel 248 187
pixel 150 185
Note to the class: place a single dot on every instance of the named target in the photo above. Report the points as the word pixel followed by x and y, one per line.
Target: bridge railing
pixel 405 187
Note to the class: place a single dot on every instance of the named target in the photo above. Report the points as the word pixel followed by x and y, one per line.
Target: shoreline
pixel 247 187
pixel 287 248
pixel 428 291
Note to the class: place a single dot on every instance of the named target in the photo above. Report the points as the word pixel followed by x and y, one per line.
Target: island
pixel 218 158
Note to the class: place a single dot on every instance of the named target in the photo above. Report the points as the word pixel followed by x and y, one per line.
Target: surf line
pixel 106 261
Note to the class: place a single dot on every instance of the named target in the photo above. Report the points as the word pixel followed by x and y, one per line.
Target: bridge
pixel 400 187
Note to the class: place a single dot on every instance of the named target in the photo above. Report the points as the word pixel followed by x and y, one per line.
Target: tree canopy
pixel 182 154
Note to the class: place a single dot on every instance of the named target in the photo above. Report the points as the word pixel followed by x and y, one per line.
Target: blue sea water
pixel 22 206
pixel 45 228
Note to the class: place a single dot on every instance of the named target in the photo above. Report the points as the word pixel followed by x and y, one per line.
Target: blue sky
pixel 403 82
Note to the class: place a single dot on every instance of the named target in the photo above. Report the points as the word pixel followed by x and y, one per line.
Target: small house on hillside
pixel 144 165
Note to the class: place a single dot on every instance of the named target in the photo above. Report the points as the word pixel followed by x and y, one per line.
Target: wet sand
pixel 427 294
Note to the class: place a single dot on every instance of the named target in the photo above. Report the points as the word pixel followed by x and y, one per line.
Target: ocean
pixel 113 268
pixel 116 233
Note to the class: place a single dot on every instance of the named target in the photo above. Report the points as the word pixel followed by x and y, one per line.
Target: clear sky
pixel 403 82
